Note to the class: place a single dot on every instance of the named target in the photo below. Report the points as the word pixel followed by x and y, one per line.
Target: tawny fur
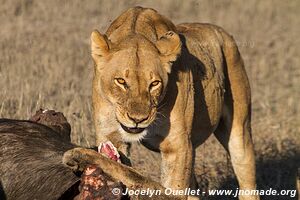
pixel 203 89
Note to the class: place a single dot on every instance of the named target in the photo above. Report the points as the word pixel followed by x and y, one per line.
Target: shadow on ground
pixel 277 171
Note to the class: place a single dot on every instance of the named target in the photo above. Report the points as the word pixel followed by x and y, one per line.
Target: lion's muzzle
pixel 135 130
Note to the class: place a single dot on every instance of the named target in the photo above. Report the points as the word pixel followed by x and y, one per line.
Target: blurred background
pixel 45 63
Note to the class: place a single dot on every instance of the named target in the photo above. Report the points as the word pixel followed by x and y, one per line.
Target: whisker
pixel 161 114
pixel 161 105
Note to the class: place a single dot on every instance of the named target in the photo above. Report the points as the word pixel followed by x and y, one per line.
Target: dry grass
pixel 45 62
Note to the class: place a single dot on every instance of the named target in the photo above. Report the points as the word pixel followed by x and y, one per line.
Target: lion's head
pixel 133 75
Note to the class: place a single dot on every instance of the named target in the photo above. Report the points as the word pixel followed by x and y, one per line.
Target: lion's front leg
pixel 177 161
pixel 79 158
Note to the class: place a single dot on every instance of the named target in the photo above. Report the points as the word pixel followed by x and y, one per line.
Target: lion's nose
pixel 136 119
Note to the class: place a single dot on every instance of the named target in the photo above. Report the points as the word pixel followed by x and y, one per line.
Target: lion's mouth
pixel 135 130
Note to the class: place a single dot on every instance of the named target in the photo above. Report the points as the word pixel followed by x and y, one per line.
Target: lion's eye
pixel 154 83
pixel 121 81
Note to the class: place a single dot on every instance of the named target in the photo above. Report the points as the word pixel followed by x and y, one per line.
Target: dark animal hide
pixel 31 162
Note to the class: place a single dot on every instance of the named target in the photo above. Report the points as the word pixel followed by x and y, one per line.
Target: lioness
pixel 170 87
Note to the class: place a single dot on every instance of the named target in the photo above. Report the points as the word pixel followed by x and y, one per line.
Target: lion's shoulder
pixel 203 52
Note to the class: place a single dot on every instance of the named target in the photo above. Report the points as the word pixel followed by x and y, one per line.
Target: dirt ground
pixel 45 63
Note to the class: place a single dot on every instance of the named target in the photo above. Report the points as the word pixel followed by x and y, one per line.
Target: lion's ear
pixel 169 46
pixel 99 45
